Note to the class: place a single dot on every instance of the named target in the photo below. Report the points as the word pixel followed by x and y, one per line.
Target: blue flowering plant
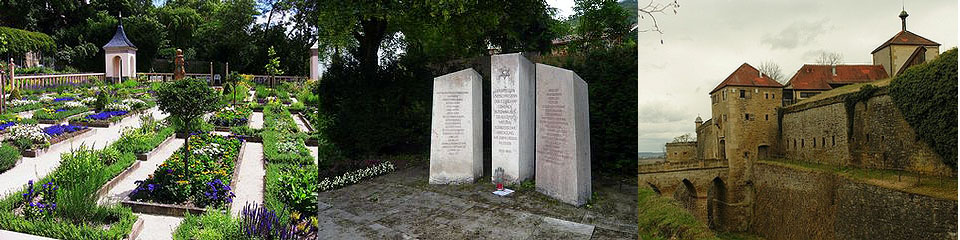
pixel 258 222
pixel 216 194
pixel 58 131
pixel 39 204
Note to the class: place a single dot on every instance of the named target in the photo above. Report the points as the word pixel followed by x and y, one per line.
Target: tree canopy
pixel 207 30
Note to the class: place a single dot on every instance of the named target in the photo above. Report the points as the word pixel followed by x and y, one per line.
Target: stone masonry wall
pixel 681 152
pixel 879 138
pixel 806 204
pixel 817 135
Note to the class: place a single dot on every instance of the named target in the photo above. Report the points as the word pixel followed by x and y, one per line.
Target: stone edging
pixel 180 210
pixel 151 153
pixel 116 179
pixel 136 229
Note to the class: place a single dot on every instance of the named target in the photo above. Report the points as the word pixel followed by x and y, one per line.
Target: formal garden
pixel 101 134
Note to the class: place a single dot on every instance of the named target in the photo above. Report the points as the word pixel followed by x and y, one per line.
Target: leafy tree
pixel 601 23
pixel 186 100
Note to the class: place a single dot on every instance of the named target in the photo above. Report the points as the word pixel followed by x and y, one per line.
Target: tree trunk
pixel 374 31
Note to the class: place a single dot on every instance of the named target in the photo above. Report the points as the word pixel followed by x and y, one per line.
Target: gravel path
pixel 158 227
pixel 249 178
pixel 300 124
pixel 256 120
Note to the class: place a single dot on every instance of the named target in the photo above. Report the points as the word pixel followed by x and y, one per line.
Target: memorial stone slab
pixel 456 140
pixel 563 135
pixel 512 96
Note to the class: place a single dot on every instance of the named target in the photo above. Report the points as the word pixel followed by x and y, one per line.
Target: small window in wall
pixel 746 116
pixel 794 144
pixel 724 117
pixel 868 137
pixel 823 141
pixel 743 93
pixel 834 139
pixel 802 142
pixel 766 117
pixel 724 95
pixel 766 96
pixel 814 142
pixel 773 96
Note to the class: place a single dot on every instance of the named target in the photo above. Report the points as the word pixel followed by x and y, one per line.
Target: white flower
pixel 288 146
pixel 134 103
pixel 117 107
pixel 210 150
pixel 88 100
pixel 73 104
pixel 27 131
pixel 46 99
pixel 18 102
pixel 355 176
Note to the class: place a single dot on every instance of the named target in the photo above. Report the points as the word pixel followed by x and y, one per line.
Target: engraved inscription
pixel 453 129
pixel 556 130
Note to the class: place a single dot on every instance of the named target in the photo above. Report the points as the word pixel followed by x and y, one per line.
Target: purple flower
pixel 63 99
pixel 105 115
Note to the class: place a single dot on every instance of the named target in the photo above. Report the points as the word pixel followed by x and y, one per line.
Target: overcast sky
pixel 707 40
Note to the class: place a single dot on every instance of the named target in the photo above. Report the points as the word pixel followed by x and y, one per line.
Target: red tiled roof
pixel 906 38
pixel 819 77
pixel 747 76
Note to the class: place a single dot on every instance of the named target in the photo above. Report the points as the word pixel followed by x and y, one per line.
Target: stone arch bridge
pixel 693 184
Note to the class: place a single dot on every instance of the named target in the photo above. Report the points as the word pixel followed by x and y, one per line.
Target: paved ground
pixel 36 168
pixel 300 125
pixel 120 191
pixel 250 178
pixel 4 234
pixel 158 227
pixel 256 120
pixel 401 205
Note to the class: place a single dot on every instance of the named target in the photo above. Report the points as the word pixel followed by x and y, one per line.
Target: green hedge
pixel 926 94
pixel 18 41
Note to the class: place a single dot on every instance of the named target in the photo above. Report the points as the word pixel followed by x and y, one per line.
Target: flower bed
pixel 230 117
pixel 100 119
pixel 31 139
pixel 204 183
pixel 352 177
pixel 22 105
pixel 52 116
pixel 59 133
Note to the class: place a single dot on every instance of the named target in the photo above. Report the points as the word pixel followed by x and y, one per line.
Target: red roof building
pixel 747 76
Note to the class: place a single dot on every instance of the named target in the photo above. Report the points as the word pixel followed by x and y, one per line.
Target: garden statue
pixel 178 72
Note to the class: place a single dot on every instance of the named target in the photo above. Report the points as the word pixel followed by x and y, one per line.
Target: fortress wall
pixel 792 204
pixel 879 138
pixel 805 204
pixel 817 134
pixel 883 139
pixel 708 143
pixel 681 152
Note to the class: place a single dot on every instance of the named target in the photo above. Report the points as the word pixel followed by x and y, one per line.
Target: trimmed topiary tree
pixel 186 100
pixel 926 94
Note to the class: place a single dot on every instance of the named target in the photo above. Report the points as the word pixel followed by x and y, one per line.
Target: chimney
pixel 833 68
